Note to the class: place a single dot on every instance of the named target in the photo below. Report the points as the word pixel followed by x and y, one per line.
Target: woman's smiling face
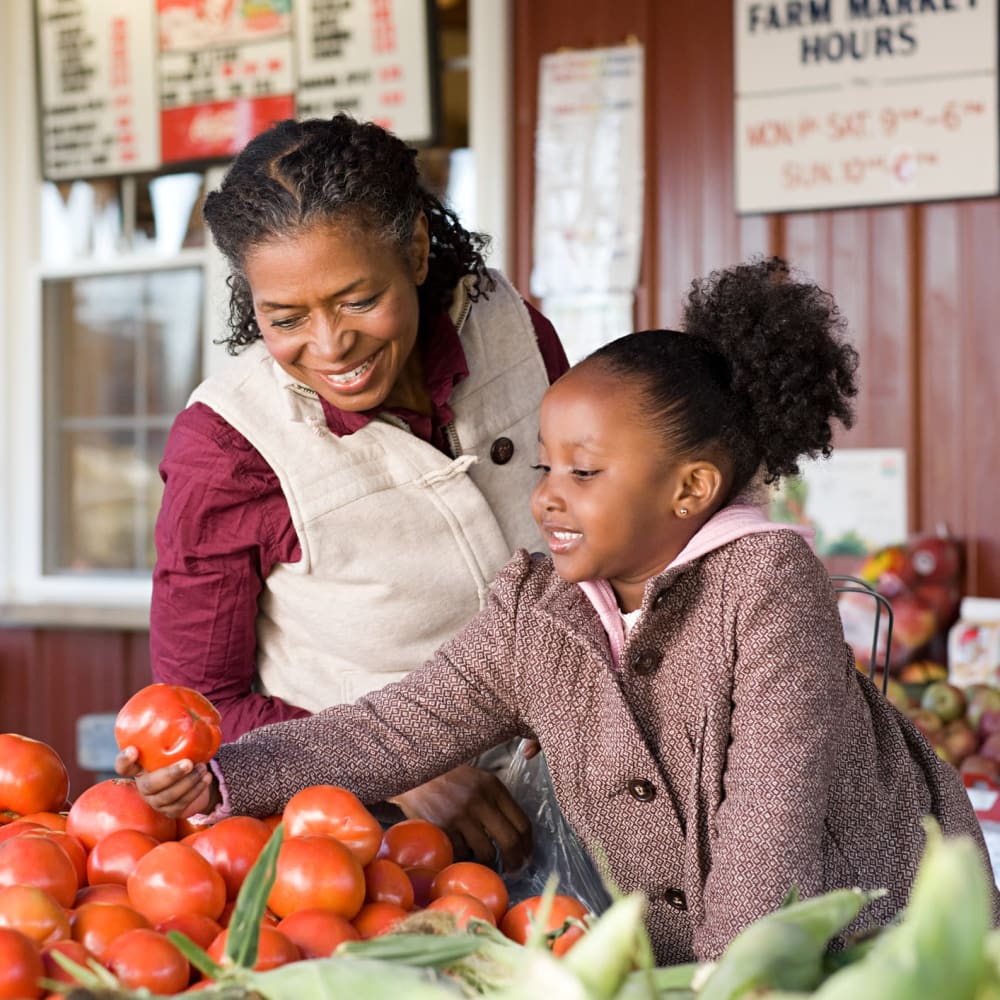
pixel 607 496
pixel 338 309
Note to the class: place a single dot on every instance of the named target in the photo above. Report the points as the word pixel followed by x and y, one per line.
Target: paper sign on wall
pixel 588 171
pixel 97 93
pixel 861 102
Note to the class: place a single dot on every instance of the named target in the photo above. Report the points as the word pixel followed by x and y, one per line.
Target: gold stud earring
pixel 682 512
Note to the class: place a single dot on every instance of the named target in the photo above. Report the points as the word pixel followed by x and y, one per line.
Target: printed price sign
pixel 860 102
pixel 98 103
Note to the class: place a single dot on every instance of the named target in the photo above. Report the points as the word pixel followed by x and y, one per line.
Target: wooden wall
pixel 919 284
pixel 50 677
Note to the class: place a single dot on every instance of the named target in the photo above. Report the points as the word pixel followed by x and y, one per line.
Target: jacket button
pixel 502 450
pixel 676 899
pixel 660 599
pixel 643 790
pixel 645 663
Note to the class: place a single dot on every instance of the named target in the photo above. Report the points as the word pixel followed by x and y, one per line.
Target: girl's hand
pixel 179 790
pixel 478 814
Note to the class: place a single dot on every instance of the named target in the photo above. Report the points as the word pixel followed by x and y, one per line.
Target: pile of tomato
pixel 106 877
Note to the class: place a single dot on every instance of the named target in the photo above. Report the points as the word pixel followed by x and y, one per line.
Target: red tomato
pixel 386 882
pixel 115 804
pixel 167 723
pixel 335 812
pixel 174 878
pixel 34 913
pixel 317 871
pixel 516 921
pixel 143 958
pixel 317 932
pixel 415 843
pixel 421 879
pixel 18 827
pixel 38 861
pixel 267 917
pixel 73 950
pixel 20 966
pixel 106 892
pixel 52 820
pixel 231 847
pixel 376 919
pixel 76 852
pixel 465 908
pixel 194 926
pixel 115 856
pixel 475 880
pixel 33 777
pixel 96 925
pixel 273 949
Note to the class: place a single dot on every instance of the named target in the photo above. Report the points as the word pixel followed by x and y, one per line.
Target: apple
pixel 990 747
pixel 959 740
pixel 923 672
pixel 942 598
pixel 935 558
pixel 896 694
pixel 977 766
pixel 979 698
pixel 913 625
pixel 927 722
pixel 989 723
pixel 945 700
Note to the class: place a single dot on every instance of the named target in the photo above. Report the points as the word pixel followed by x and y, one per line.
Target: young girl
pixel 679 657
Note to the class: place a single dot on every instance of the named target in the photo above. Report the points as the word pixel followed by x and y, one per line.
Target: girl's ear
pixel 701 487
pixel 420 249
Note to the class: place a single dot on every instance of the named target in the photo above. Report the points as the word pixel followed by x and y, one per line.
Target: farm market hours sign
pixel 864 102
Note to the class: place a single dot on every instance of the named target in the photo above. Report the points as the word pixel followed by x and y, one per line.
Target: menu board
pixel 133 85
pixel 225 74
pixel 863 102
pixel 97 93
pixel 369 60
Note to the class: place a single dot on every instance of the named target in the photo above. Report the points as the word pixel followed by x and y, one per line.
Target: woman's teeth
pixel 566 536
pixel 350 376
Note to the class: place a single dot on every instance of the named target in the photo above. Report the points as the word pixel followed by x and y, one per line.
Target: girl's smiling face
pixel 610 490
pixel 338 310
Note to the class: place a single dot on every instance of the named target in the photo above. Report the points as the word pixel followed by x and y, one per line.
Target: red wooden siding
pixel 918 284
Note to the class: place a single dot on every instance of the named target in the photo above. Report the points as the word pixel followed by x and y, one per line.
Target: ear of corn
pixel 785 949
pixel 936 950
pixel 608 952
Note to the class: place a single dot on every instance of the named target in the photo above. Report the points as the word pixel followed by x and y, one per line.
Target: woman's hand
pixel 179 790
pixel 477 812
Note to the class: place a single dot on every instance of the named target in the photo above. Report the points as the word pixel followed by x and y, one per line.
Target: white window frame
pixel 26 591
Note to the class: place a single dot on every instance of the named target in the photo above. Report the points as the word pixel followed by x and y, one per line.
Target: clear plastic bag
pixel 557 849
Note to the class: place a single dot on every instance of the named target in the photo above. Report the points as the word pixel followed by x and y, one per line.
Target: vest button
pixel 676 899
pixel 502 450
pixel 645 663
pixel 642 790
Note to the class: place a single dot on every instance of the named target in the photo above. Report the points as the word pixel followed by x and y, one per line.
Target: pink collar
pixel 727 525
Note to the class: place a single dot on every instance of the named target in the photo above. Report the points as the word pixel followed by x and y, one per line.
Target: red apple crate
pixel 984 795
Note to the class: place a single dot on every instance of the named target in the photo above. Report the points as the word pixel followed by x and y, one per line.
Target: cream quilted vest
pixel 399 541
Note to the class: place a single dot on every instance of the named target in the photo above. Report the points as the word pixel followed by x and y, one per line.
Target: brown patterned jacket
pixel 737 751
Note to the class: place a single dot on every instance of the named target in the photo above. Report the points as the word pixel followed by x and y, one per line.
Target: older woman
pixel 338 501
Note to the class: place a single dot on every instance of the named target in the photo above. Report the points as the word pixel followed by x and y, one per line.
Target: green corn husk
pixel 603 958
pixel 939 947
pixel 784 950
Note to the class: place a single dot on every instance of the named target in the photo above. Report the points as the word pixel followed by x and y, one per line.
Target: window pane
pixel 105 508
pixel 121 355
